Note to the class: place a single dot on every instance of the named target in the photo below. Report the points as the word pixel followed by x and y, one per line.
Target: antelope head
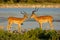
pixel 33 13
pixel 25 14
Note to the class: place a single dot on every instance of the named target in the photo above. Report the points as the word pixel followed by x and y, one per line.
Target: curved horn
pixel 22 12
pixel 36 9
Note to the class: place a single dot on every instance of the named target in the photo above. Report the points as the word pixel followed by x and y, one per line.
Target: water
pixel 6 12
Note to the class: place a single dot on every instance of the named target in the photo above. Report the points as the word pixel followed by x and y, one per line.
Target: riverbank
pixel 29 5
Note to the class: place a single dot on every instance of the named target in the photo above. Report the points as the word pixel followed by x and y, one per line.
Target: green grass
pixel 35 34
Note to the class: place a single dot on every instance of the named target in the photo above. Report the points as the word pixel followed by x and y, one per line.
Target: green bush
pixel 30 1
pixel 35 34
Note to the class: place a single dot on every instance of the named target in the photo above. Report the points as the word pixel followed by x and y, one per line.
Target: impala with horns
pixel 42 19
pixel 16 20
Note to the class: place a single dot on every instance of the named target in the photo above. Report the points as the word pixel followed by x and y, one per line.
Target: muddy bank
pixel 29 6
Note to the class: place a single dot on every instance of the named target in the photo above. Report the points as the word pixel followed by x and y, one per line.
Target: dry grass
pixel 29 5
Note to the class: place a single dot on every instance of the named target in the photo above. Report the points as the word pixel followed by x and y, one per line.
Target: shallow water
pixel 6 12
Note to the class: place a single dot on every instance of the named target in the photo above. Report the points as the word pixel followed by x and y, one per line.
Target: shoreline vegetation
pixel 22 5
pixel 29 3
pixel 35 34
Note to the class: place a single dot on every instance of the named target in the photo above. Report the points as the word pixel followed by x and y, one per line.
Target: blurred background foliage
pixel 29 1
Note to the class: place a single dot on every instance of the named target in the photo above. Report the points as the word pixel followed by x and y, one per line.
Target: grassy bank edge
pixel 31 5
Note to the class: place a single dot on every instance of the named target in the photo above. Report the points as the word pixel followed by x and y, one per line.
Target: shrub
pixel 35 34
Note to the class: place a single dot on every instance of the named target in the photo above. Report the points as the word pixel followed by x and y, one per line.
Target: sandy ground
pixel 29 6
